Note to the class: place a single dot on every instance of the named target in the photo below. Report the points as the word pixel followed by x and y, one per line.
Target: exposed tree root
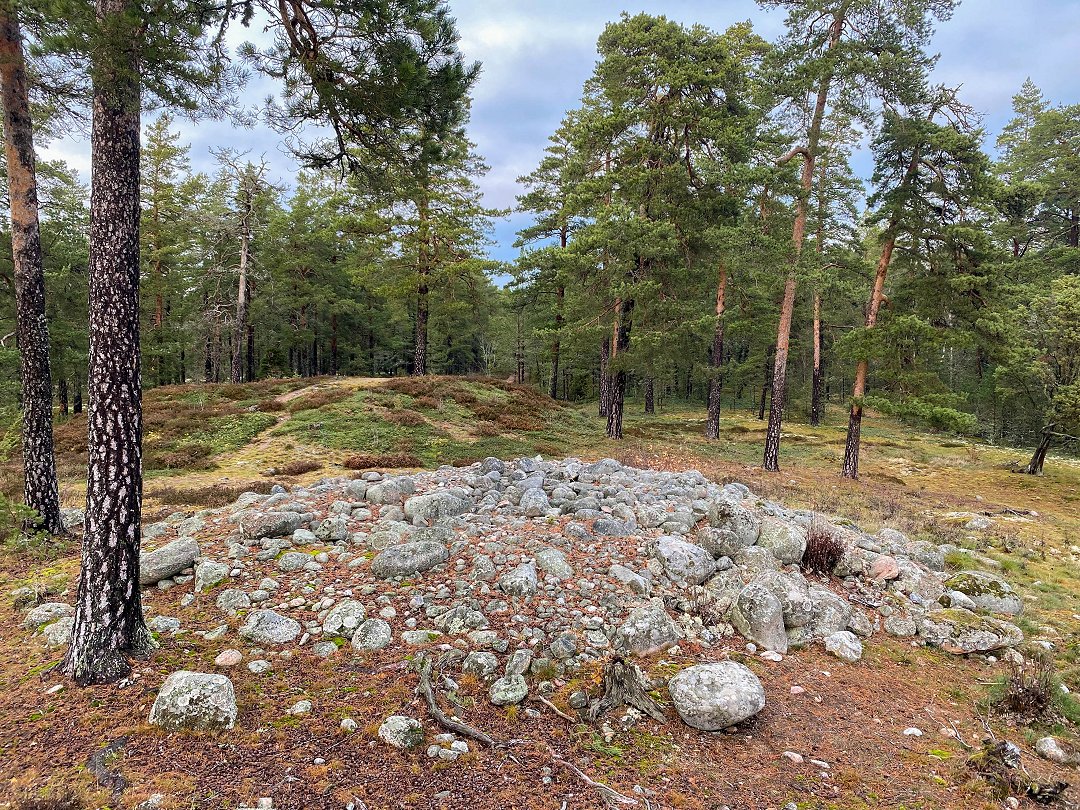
pixel 427 691
pixel 611 797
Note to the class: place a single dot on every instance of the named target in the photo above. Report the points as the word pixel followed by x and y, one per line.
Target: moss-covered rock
pixel 988 591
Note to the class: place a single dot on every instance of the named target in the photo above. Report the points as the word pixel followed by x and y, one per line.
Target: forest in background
pixel 661 258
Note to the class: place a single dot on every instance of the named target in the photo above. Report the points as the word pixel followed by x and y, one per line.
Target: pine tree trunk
pixel 605 378
pixel 650 395
pixel 851 446
pixel 618 382
pixel 766 385
pixel 109 622
pixel 560 295
pixel 816 403
pixel 250 352
pixel 716 359
pixel 1038 458
pixel 771 458
pixel 77 403
pixel 423 272
pixel 32 329
pixel 242 298
pixel 62 396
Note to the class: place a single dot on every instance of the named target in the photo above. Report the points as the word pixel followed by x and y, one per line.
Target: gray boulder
pixel 408 559
pixel 482 665
pixel 988 591
pixel 209 573
pixel 683 561
pixel 196 701
pixel 759 616
pixel 714 696
pixel 845 646
pixel 58 633
pixel 233 599
pixel 794 594
pixel 293 561
pixel 372 634
pixel 508 690
pixel 269 627
pixel 648 629
pixel 45 613
pixel 344 618
pixel 390 491
pixel 521 581
pixel 631 579
pixel 422 509
pixel 960 631
pixel 399 731
pixel 167 561
pixel 786 541
pixel 534 502
pixel 257 525
pixel 736 527
pixel 553 562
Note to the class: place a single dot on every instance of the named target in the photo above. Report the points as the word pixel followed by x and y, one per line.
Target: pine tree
pixel 39 462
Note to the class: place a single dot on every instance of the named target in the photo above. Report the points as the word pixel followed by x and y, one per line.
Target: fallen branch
pixel 555 708
pixel 610 796
pixel 427 691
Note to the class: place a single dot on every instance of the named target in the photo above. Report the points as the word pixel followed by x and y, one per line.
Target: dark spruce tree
pixel 32 329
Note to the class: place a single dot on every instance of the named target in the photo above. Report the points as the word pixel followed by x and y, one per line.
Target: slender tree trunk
pixel 62 396
pixel 333 345
pixel 249 363
pixel 77 404
pixel 817 404
pixel 109 622
pixel 560 294
pixel 771 458
pixel 618 382
pixel 650 395
pixel 766 385
pixel 32 329
pixel 605 378
pixel 242 298
pixel 183 368
pixel 851 446
pixel 716 359
pixel 1035 466
pixel 423 271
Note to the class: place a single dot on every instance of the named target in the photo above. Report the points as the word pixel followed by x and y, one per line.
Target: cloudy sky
pixel 536 54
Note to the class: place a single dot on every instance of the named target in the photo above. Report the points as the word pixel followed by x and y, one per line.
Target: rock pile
pixel 552 565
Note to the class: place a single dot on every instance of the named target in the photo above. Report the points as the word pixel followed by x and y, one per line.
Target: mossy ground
pixel 221 440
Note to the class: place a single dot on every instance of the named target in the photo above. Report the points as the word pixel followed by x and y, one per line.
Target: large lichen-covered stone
pixel 988 591
pixel 647 629
pixel 717 695
pixel 759 616
pixel 196 701
pixel 408 558
pixel 167 561
pixel 960 631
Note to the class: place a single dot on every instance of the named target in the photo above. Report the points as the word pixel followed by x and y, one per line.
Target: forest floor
pixel 207 444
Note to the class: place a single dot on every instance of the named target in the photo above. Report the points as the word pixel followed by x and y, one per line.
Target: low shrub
pixel 823 550
pixel 1030 689
pixel 211 496
pixel 368 461
pixel 298 467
